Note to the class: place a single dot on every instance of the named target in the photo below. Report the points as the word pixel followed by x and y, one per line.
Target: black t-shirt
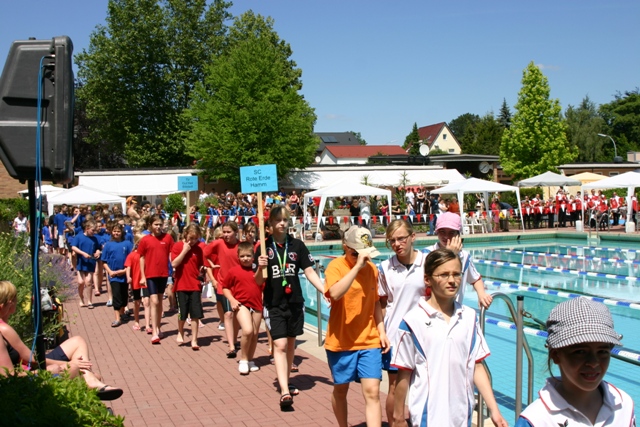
pixel 298 258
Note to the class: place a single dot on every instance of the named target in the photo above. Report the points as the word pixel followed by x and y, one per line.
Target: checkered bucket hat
pixel 578 321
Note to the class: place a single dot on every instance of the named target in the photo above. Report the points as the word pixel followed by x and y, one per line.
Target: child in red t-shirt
pixel 140 292
pixel 245 297
pixel 188 260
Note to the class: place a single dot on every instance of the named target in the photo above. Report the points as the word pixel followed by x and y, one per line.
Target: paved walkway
pixel 167 385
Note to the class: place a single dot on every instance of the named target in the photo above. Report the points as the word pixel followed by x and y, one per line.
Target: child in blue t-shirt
pixel 87 248
pixel 114 255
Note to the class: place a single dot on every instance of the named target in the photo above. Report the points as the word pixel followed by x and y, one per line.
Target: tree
pixel 359 137
pixel 411 142
pixel 583 126
pixel 137 76
pixel 504 118
pixel 622 121
pixel 459 127
pixel 483 137
pixel 536 142
pixel 248 110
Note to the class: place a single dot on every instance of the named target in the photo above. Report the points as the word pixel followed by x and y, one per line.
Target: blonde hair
pixel 8 292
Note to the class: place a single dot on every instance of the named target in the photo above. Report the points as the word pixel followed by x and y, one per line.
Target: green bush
pixel 9 210
pixel 16 268
pixel 173 202
pixel 28 399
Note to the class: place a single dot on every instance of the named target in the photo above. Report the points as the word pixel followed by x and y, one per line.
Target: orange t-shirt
pixel 351 321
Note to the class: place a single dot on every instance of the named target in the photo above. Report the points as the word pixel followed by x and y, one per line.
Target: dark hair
pixel 117 226
pixel 245 247
pixel 436 258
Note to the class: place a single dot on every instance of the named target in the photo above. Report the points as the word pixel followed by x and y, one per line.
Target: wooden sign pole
pixel 263 245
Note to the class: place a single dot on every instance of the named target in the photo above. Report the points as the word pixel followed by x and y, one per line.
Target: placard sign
pixel 187 183
pixel 259 178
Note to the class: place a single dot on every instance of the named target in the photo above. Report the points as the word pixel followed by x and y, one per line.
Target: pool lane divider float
pixel 561 294
pixel 620 351
pixel 564 256
pixel 556 270
pixel 597 248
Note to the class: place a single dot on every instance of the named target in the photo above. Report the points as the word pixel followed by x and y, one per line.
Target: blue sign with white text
pixel 258 178
pixel 187 183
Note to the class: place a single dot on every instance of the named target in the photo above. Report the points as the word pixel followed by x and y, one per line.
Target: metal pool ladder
pixel 521 343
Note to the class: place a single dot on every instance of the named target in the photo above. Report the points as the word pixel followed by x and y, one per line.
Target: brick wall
pixel 9 187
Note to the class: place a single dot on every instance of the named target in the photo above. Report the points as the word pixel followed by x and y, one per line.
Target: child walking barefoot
pixel 140 292
pixel 580 340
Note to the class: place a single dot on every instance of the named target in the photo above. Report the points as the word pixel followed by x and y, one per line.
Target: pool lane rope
pixel 556 270
pixel 562 294
pixel 621 351
pixel 597 248
pixel 566 256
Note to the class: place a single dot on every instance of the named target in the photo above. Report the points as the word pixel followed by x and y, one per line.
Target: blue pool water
pixel 545 274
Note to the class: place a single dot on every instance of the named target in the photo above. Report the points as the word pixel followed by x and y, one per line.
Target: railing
pixel 521 343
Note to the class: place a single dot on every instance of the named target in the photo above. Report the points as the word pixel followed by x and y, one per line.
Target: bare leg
pixel 371 394
pixel 155 312
pixel 136 313
pixel 256 317
pixel 194 333
pixel 76 348
pixel 180 337
pixel 80 281
pixel 339 403
pixel 147 312
pixel 283 350
pixel 244 318
pixel 229 330
pixel 391 396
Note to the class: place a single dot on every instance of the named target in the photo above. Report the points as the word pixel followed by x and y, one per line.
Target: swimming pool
pixel 546 272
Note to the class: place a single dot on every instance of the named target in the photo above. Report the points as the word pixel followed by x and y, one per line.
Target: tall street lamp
pixel 616 159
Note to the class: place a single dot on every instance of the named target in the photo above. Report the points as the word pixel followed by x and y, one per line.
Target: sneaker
pixel 243 367
pixel 221 327
pixel 253 367
pixel 109 303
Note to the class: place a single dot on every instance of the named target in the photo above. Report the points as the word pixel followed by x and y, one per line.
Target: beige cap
pixel 359 239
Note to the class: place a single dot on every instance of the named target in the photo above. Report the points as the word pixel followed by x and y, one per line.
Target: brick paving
pixel 167 385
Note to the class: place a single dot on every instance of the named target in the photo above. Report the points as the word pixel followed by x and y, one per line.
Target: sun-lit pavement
pixel 167 385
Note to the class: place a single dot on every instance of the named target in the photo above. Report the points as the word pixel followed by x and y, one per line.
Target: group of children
pixel 405 315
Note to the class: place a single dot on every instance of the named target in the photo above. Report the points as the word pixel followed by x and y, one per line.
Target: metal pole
pixel 519 348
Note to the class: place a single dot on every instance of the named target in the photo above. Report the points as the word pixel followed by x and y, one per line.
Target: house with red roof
pixel 439 136
pixel 357 154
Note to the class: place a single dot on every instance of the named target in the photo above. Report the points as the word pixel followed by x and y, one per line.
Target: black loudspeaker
pixel 21 85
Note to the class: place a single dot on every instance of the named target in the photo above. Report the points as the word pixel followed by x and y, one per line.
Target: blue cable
pixel 36 306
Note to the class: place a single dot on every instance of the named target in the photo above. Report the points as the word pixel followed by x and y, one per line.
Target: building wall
pixel 446 141
pixel 9 187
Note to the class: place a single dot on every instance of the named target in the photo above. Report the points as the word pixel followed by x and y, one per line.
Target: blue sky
pixel 376 67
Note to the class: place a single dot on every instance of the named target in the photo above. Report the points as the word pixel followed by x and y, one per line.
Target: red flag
pixel 346 219
pixel 330 220
pixel 374 219
pixel 418 216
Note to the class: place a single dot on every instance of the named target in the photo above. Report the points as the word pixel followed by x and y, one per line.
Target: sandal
pixel 149 331
pixel 294 367
pixel 155 340
pixel 90 306
pixel 109 393
pixel 135 327
pixel 116 323
pixel 231 354
pixel 293 391
pixel 286 401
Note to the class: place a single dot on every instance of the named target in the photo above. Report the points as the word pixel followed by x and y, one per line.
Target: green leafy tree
pixel 536 142
pixel 583 126
pixel 622 122
pixel 484 136
pixel 504 118
pixel 138 73
pixel 460 124
pixel 359 137
pixel 411 142
pixel 249 110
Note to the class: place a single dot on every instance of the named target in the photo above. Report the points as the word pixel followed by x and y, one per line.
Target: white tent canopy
pixel 84 195
pixel 314 178
pixel 628 180
pixel 158 184
pixel 548 179
pixel 47 190
pixel 475 185
pixel 344 188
